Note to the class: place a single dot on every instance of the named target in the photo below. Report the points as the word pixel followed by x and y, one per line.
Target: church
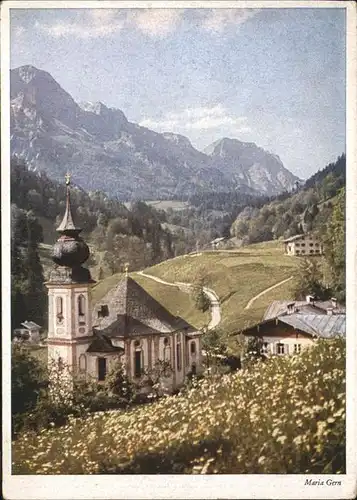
pixel 128 325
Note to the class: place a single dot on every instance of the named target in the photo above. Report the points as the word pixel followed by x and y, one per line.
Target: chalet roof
pixel 217 240
pixel 326 326
pixel 279 308
pixel 320 325
pixel 299 236
pixel 132 311
pixel 30 325
pixel 101 343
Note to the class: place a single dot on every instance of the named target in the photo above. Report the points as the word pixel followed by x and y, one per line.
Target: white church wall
pixel 63 352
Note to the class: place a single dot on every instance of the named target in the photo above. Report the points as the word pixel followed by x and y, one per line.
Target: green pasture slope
pixel 236 276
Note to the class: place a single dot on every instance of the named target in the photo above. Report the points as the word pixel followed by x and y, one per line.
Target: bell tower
pixel 69 295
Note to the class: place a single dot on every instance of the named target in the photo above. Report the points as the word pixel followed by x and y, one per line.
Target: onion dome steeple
pixel 70 251
pixel 67 223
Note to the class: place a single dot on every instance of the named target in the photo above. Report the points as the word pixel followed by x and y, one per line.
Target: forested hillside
pixel 252 218
pixel 307 209
pixel 27 289
pixel 105 221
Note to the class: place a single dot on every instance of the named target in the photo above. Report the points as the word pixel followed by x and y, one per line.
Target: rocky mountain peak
pixel 27 73
pixel 178 139
pixel 97 108
pixel 54 133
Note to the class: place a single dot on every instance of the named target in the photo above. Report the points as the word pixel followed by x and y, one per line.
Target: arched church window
pixel 59 309
pixel 193 347
pixel 167 349
pixel 138 359
pixel 178 356
pixel 81 308
pixel 82 363
pixel 102 369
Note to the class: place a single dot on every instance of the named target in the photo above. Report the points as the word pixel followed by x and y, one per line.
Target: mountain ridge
pixel 104 151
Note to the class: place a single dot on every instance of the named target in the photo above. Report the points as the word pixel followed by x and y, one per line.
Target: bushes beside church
pixel 285 415
pixel 38 404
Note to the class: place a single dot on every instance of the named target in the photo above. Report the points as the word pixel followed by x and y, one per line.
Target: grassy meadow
pixel 165 204
pixel 285 415
pixel 236 276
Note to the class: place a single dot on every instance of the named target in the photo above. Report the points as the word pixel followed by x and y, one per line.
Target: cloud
pixel 200 118
pixel 155 22
pixel 217 20
pixel 96 23
pixel 19 31
pixel 101 23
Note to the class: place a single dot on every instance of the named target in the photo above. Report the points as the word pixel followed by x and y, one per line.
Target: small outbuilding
pixel 30 332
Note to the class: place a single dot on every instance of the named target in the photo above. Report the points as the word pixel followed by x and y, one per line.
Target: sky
pixel 275 77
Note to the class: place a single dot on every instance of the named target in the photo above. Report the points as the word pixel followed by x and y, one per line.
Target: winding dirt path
pixel 250 303
pixel 215 308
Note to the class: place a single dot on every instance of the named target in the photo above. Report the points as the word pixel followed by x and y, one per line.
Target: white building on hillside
pixel 306 245
pixel 292 333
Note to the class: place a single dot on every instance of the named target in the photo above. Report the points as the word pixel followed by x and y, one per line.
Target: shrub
pixel 28 383
pixel 286 415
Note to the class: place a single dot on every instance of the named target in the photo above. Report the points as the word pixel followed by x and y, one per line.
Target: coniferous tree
pixel 335 246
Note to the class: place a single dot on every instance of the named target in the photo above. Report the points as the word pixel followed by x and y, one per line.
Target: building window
pixel 297 348
pixel 193 369
pixel 311 244
pixel 178 356
pixel 81 309
pixel 82 363
pixel 103 311
pixel 297 244
pixel 137 364
pixel 167 350
pixel 297 252
pixel 59 309
pixel 102 369
pixel 193 348
pixel 264 348
pixel 302 244
pixel 280 348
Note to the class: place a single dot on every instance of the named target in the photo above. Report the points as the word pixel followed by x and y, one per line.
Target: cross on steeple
pixel 68 179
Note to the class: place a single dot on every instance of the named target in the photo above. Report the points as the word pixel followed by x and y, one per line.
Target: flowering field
pixel 286 415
